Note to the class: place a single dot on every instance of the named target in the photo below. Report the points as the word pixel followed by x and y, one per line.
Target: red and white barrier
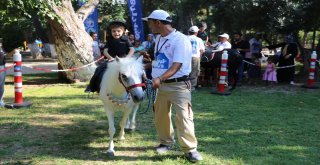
pixel 17 77
pixel 312 70
pixel 18 99
pixel 222 75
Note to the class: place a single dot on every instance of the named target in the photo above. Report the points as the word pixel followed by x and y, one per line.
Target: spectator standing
pixel 95 46
pixel 222 44
pixel 289 50
pixel 243 47
pixel 170 70
pixel 255 46
pixel 254 71
pixel 197 50
pixel 202 32
pixel 270 74
pixel 2 76
pixel 148 44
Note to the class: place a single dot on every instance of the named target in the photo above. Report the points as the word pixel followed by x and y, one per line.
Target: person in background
pixel 289 50
pixel 202 32
pixel 131 38
pixel 243 47
pixel 170 70
pixel 254 71
pixel 255 46
pixel 197 50
pixel 148 44
pixel 138 48
pixel 95 46
pixel 270 74
pixel 222 44
pixel 2 75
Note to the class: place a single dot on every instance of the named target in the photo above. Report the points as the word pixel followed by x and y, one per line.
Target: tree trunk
pixel 304 38
pixel 73 44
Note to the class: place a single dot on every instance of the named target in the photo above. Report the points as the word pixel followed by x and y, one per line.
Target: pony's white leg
pixel 123 124
pixel 133 119
pixel 112 131
pixel 128 123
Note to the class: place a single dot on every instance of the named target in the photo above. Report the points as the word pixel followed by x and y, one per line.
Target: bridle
pixel 143 84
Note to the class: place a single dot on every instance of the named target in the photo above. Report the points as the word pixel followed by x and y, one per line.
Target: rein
pixel 150 92
pixel 151 95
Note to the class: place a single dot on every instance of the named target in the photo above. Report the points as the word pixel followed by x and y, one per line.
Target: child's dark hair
pixel 117 26
pixel 92 33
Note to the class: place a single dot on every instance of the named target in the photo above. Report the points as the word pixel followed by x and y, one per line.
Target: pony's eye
pixel 124 76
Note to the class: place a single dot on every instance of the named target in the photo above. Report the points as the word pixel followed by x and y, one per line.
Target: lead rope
pixel 151 95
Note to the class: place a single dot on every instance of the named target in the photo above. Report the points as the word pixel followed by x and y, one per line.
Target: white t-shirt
pixel 96 50
pixel 196 44
pixel 219 46
pixel 175 47
pixel 255 45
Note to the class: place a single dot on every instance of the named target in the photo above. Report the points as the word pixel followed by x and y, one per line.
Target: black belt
pixel 179 79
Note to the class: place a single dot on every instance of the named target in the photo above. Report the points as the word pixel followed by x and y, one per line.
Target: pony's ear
pixel 117 59
pixel 140 59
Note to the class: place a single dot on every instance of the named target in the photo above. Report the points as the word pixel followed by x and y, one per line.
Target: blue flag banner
pixel 91 23
pixel 135 9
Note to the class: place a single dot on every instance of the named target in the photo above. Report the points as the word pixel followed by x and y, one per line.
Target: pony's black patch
pixel 96 79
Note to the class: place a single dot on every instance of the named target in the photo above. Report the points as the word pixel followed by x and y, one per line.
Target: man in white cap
pixel 222 44
pixel 197 50
pixel 170 70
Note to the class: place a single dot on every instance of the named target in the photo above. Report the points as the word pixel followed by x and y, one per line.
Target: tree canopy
pixel 272 16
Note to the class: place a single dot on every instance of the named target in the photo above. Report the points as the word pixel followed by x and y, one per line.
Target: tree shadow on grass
pixel 21 141
pixel 51 133
pixel 255 131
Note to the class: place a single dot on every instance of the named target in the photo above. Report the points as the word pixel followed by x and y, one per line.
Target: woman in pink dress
pixel 270 74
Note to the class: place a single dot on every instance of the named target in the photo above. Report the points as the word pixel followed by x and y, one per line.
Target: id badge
pixel 161 61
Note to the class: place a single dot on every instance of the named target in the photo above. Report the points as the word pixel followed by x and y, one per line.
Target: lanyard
pixel 157 50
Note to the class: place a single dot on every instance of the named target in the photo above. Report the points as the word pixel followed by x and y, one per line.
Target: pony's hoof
pixel 110 153
pixel 120 139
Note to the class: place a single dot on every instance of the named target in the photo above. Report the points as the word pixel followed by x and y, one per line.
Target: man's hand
pixel 156 82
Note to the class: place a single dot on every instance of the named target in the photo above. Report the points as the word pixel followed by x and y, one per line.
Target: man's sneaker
pixel 162 148
pixel 193 156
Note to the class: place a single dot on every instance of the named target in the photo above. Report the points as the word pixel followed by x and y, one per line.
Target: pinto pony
pixel 212 61
pixel 122 89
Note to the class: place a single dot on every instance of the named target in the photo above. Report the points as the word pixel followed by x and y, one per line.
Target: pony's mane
pixel 127 64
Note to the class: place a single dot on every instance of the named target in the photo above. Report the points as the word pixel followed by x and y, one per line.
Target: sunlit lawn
pixel 254 125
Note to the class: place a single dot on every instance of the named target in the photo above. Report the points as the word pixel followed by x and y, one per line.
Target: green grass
pixel 254 125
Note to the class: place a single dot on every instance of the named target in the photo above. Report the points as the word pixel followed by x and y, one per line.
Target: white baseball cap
pixel 224 35
pixel 194 29
pixel 159 15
